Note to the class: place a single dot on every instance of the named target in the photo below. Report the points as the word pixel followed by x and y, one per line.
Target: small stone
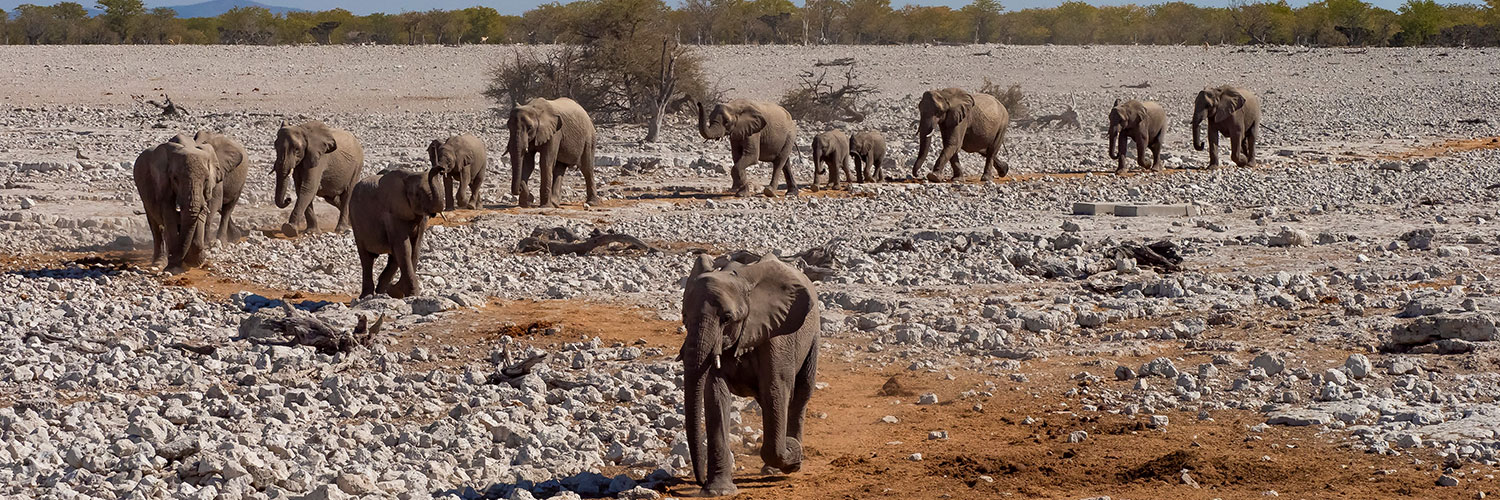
pixel 1447 480
pixel 1077 436
pixel 928 399
pixel 890 419
pixel 1157 422
pixel 1123 372
pixel 915 457
pixel 1271 364
pixel 1358 365
pixel 937 435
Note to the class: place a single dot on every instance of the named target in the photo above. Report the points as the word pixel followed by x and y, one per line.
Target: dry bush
pixel 818 99
pixel 1012 98
pixel 615 80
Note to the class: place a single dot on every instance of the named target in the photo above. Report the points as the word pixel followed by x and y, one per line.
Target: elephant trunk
pixel 518 154
pixel 432 194
pixel 701 348
pixel 282 199
pixel 708 132
pixel 1199 115
pixel 192 218
pixel 1114 135
pixel 924 143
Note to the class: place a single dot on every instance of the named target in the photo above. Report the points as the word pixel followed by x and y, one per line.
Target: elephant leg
pixel 367 273
pixel 158 256
pixel 1251 134
pixel 778 450
pixel 558 172
pixel 1122 145
pixel 807 379
pixel 528 164
pixel 720 457
pixel 1213 146
pixel 1237 149
pixel 952 142
pixel 844 164
pixel 343 205
pixel 791 180
pixel 1140 152
pixel 991 164
pixel 311 218
pixel 1156 152
pixel 306 183
pixel 749 154
pixel 383 285
pixel 859 170
pixel 401 255
pixel 877 165
pixel 586 165
pixel 448 194
pixel 548 165
pixel 474 185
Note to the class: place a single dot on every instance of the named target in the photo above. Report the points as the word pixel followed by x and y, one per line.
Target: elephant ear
pixel 550 123
pixel 320 139
pixel 747 121
pixel 777 303
pixel 959 106
pixel 432 151
pixel 701 265
pixel 1230 101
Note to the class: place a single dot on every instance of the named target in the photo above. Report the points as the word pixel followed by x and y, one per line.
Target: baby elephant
pixel 830 150
pixel 389 215
pixel 461 159
pixel 868 150
pixel 1143 122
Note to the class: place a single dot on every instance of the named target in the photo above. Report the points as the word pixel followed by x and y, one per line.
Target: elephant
pixel 868 150
pixel 563 134
pixel 974 122
pixel 1233 112
pixel 831 149
pixel 234 166
pixel 176 181
pixel 1144 122
pixel 461 158
pixel 389 215
pixel 321 161
pixel 752 331
pixel 757 131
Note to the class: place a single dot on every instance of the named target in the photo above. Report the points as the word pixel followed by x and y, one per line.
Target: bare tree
pixel 666 86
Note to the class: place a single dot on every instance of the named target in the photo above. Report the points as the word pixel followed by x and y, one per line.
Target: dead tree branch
pixel 561 241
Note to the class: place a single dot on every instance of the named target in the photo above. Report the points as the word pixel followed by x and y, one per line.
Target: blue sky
pixel 519 6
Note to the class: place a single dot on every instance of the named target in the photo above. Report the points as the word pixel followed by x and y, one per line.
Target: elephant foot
pixel 175 269
pixel 742 191
pixel 594 201
pixel 934 177
pixel 720 488
pixel 341 227
pixel 550 204
pixel 793 192
pixel 987 179
pixel 769 191
pixel 289 230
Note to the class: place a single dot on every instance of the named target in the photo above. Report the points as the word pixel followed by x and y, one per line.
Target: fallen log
pixel 546 243
pixel 306 329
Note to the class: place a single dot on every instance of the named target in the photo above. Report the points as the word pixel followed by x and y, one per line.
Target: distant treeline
pixel 1328 22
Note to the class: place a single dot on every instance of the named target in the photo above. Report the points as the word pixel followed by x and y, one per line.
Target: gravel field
pixel 1334 305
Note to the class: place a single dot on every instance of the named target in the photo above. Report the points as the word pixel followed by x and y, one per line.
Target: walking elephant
pixel 461 159
pixel 868 150
pixel 389 215
pixel 233 167
pixel 757 131
pixel 561 132
pixel 968 121
pixel 752 331
pixel 830 150
pixel 176 180
pixel 1142 122
pixel 1233 112
pixel 321 161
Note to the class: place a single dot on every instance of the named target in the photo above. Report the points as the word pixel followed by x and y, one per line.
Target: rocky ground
pixel 1333 305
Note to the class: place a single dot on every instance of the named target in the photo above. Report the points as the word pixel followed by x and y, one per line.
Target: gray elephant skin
pixel 830 151
pixel 389 213
pixel 752 331
pixel 562 134
pixel 757 131
pixel 973 122
pixel 868 150
pixel 1144 122
pixel 234 167
pixel 462 161
pixel 176 180
pixel 321 161
pixel 1232 112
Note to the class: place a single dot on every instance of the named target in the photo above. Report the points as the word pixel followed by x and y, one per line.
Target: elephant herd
pixel 752 324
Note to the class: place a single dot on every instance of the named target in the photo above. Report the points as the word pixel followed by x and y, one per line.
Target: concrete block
pixel 1156 210
pixel 1093 208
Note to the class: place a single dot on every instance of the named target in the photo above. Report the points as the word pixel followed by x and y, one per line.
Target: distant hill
pixel 213 8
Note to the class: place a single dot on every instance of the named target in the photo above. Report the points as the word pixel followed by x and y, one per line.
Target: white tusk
pixel 718 362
